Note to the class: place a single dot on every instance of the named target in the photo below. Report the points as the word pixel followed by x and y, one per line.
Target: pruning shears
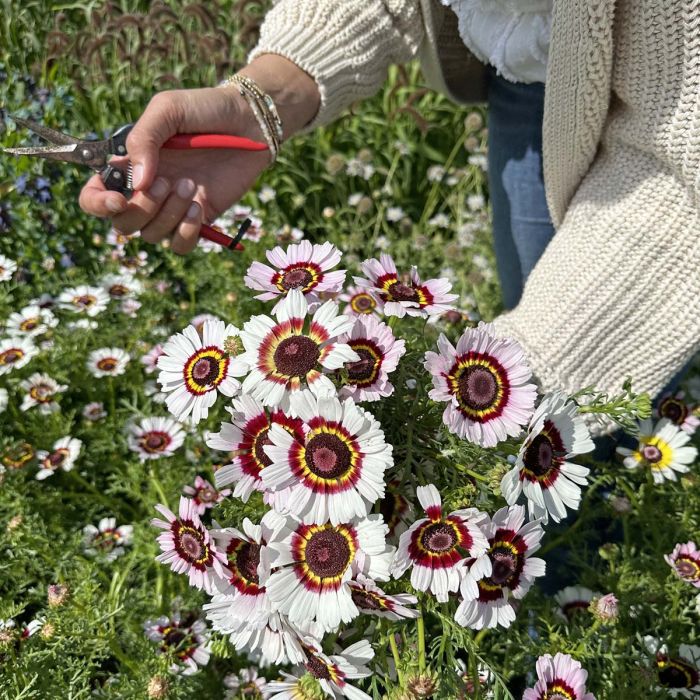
pixel 96 155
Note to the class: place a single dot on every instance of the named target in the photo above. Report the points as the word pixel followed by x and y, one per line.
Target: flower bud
pixel 334 164
pixel 158 687
pixel 424 685
pixel 57 595
pixel 47 631
pixel 473 121
pixel 605 608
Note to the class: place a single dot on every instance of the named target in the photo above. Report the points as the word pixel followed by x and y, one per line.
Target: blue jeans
pixel 521 224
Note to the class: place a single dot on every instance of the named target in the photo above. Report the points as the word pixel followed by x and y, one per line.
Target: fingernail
pixel 159 188
pixel 185 188
pixel 115 204
pixel 193 211
pixel 137 175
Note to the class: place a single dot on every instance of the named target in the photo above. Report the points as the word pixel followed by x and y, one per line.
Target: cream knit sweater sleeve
pixel 345 46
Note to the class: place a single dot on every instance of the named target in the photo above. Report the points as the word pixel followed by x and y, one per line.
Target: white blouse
pixel 511 35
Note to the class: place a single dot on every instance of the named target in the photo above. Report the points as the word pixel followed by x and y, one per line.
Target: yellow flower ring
pixel 107 364
pixel 507 553
pixel 303 276
pixel 687 567
pixel 369 600
pixel 190 544
pixel 55 459
pixel 322 555
pixel 329 460
pixel 286 355
pixel 560 690
pixel 543 456
pixel 676 673
pixel 363 303
pixel 41 393
pixel 29 324
pixel 318 668
pixel 84 301
pixel 440 544
pixel 364 372
pixel 392 289
pixel 173 640
pixel 205 370
pixel 480 386
pixel 11 356
pixel 243 559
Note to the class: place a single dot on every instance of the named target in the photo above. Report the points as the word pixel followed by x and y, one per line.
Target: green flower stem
pixel 112 399
pixel 420 622
pixel 395 654
pixel 158 487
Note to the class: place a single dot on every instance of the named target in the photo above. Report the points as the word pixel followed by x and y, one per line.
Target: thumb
pixel 160 120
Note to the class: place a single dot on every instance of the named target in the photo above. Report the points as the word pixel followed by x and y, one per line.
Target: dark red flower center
pixel 673 409
pixel 190 544
pixel 478 387
pixel 155 441
pixel 677 673
pixel 328 456
pixel 363 371
pixel 688 569
pixel 205 370
pixel 504 565
pixel 207 494
pixel 328 553
pixel 118 290
pixel 11 356
pixel 296 356
pixel 317 668
pixel 539 455
pixel 298 277
pixel 107 364
pixel 85 300
pixel 41 393
pixel 29 324
pixel 261 440
pixel 247 560
pixel 438 537
pixel 366 600
pixel 651 453
pixel 363 304
pixel 57 458
pixel 402 292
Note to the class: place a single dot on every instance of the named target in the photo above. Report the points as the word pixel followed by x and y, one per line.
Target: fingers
pixel 159 122
pixel 96 200
pixel 187 233
pixel 143 207
pixel 171 212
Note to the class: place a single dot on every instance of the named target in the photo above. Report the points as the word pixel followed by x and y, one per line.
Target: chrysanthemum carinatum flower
pixel 107 362
pixel 513 570
pixel 407 295
pixel 150 359
pixel 84 299
pixel 187 546
pixel 106 541
pixel 313 564
pixel 678 675
pixel 372 600
pixel 94 411
pixel 681 412
pixel 367 379
pixel 336 472
pixel 244 437
pixel 121 286
pixel 331 673
pixel 41 391
pixel 302 266
pixel 195 369
pixel 438 547
pixel 559 678
pixel 244 599
pixel 283 358
pixel 542 472
pixel 7 268
pixel 184 637
pixel 685 562
pixel 484 382
pixel 204 495
pixel 63 455
pixel 246 683
pixel 662 448
pixel 16 353
pixel 361 302
pixel 157 437
pixel 30 321
pixel 574 600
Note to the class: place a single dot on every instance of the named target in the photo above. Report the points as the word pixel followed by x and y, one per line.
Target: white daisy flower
pixel 41 391
pixel 94 411
pixel 121 286
pixel 336 471
pixel 107 362
pixel 7 268
pixel 314 563
pixel 150 359
pixel 283 358
pixel 16 353
pixel 186 640
pixel 663 448
pixel 154 438
pixel 106 541
pixel 439 547
pixel 372 600
pixel 194 369
pixel 542 471
pixel 30 321
pixel 246 683
pixel 63 455
pixel 84 299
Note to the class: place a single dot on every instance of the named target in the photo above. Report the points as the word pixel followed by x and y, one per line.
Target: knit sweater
pixel 615 294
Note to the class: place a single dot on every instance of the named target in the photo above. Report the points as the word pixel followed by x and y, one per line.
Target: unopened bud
pixel 473 121
pixel 605 608
pixel 158 687
pixel 365 155
pixel 364 205
pixel 47 631
pixel 424 685
pixel 334 164
pixel 57 595
pixel 328 213
pixel 14 522
pixel 233 345
pixel 621 504
pixel 609 551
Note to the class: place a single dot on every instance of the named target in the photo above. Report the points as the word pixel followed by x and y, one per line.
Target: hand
pixel 176 191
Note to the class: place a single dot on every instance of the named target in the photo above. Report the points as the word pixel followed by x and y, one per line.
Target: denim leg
pixel 521 224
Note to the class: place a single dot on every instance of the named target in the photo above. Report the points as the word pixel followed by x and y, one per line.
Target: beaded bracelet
pixel 263 109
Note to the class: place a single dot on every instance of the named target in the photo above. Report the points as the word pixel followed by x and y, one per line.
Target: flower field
pixel 308 469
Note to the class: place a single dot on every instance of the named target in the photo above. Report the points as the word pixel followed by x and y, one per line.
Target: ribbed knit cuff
pixel 346 46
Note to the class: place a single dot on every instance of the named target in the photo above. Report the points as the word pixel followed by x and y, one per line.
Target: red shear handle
pixel 216 236
pixel 187 141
